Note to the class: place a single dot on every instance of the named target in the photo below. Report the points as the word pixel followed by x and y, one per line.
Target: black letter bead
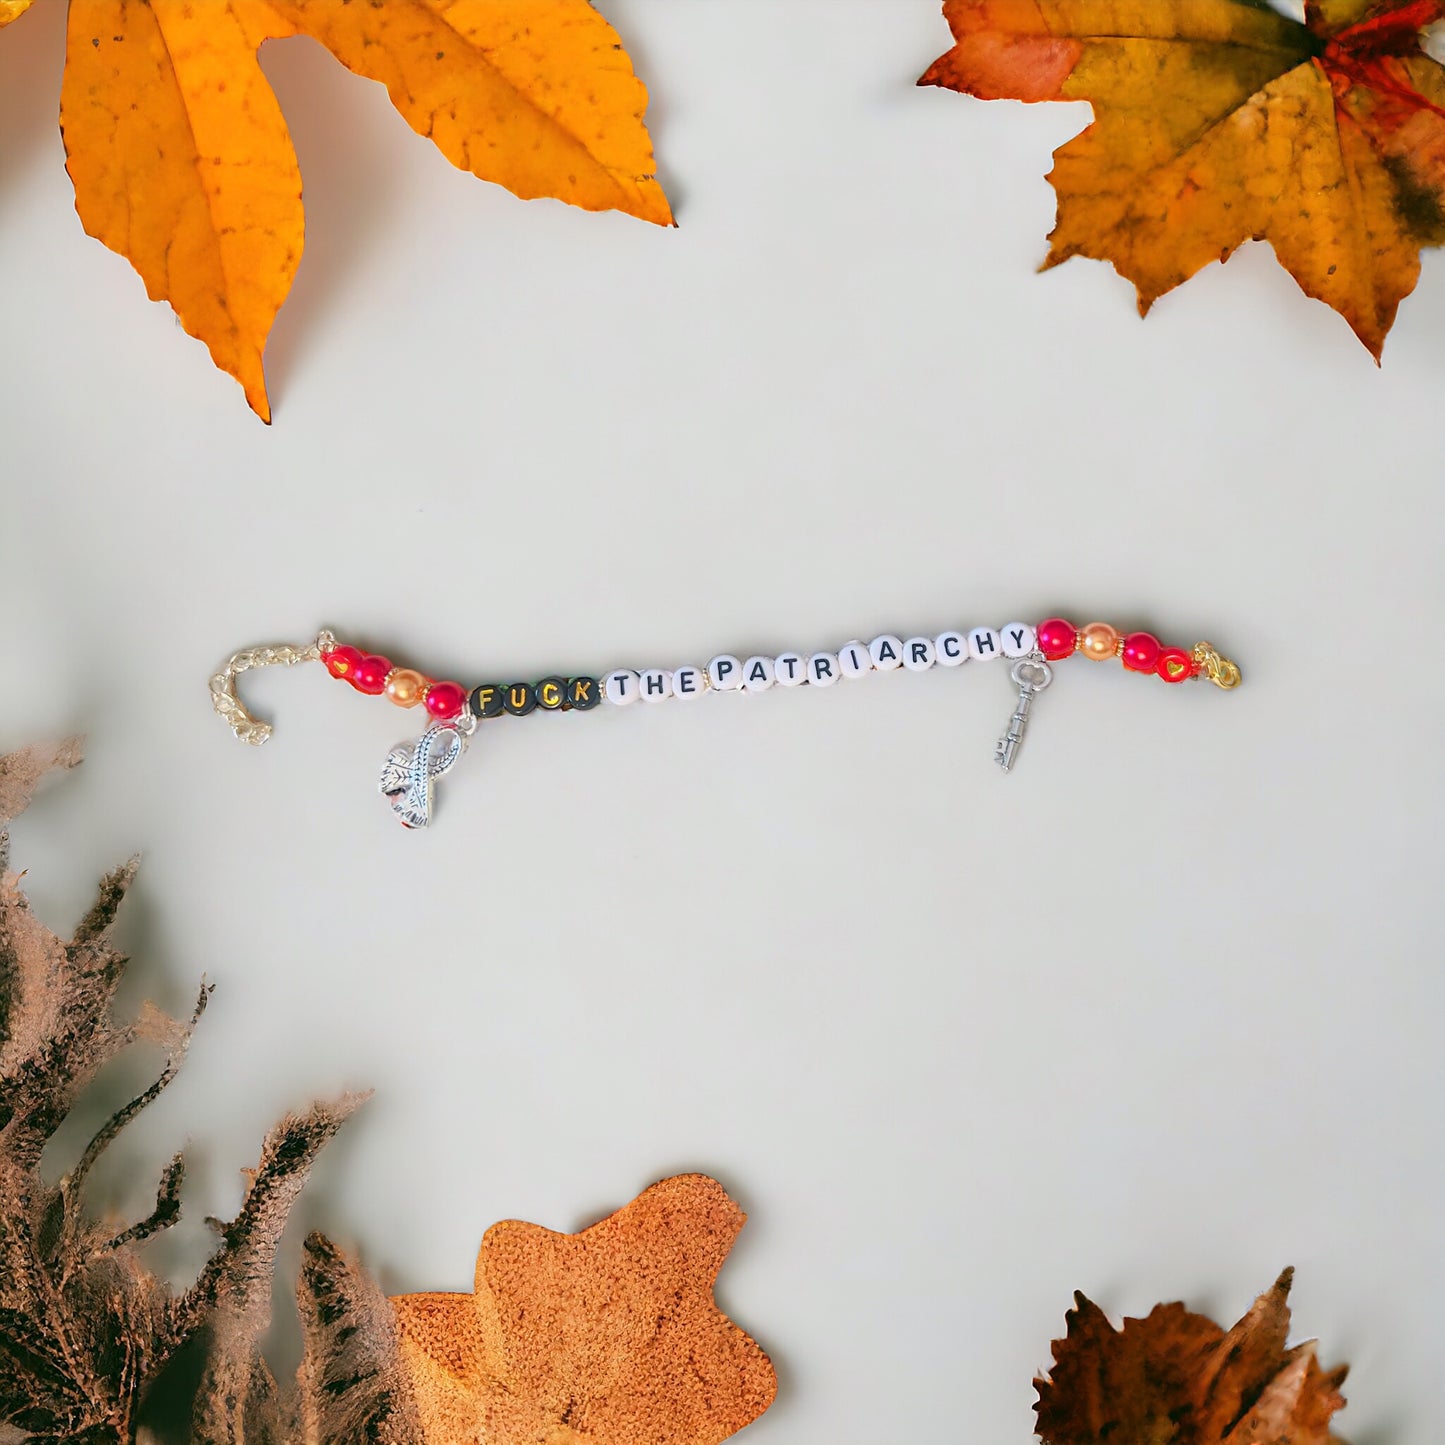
pixel 521 698
pixel 551 693
pixel 486 700
pixel 583 693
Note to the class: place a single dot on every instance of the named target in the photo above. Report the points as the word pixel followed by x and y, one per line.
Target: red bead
pixel 369 675
pixel 1141 652
pixel 1175 665
pixel 445 699
pixel 341 661
pixel 1057 638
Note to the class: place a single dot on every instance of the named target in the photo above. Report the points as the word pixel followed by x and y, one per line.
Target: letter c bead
pixel 952 649
pixel 551 693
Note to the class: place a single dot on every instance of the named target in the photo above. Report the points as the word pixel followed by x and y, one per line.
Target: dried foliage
pixel 1176 1378
pixel 182 161
pixel 1221 121
pixel 85 1327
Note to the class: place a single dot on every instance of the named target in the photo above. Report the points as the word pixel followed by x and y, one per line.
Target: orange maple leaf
pixel 1221 121
pixel 182 162
pixel 606 1337
pixel 1176 1378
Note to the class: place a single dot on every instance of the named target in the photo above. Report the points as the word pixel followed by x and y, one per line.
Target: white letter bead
pixel 854 659
pixel 758 674
pixel 886 652
pixel 951 647
pixel 822 669
pixel 1018 639
pixel 983 643
pixel 689 682
pixel 790 669
pixel 918 654
pixel 621 687
pixel 725 672
pixel 656 684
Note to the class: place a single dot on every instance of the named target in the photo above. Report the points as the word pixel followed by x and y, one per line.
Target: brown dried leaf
pixel 1176 1378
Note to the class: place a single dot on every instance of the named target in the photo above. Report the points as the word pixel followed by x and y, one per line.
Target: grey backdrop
pixel 1153 1017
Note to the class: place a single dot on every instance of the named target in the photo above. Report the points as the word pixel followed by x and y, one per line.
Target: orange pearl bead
pixel 405 687
pixel 1099 641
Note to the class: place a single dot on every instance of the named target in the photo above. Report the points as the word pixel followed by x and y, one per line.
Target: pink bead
pixel 445 699
pixel 1141 652
pixel 1057 638
pixel 369 675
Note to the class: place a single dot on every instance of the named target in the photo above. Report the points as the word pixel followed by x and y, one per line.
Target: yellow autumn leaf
pixel 182 162
pixel 537 95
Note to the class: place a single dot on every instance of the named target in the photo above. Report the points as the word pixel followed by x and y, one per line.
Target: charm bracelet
pixel 409 774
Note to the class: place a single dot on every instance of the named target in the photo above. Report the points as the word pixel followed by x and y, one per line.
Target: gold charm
pixel 223 684
pixel 1215 666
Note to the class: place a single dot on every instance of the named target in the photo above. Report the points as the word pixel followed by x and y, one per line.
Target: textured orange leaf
pixel 1176 1378
pixel 608 1337
pixel 1221 121
pixel 182 162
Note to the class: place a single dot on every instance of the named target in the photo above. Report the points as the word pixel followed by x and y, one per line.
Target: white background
pixel 1153 1017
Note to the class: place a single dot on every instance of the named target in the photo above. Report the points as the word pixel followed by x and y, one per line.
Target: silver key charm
pixel 1032 675
pixel 411 768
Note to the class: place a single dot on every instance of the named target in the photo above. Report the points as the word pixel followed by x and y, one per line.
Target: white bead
pixel 952 648
pixel 886 652
pixel 790 669
pixel 725 672
pixel 621 687
pixel 918 654
pixel 854 659
pixel 823 669
pixel 689 682
pixel 758 674
pixel 1018 639
pixel 983 643
pixel 656 684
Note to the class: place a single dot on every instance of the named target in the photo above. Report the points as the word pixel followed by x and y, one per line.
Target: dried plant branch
pixel 85 1327
pixel 70 1185
pixel 165 1214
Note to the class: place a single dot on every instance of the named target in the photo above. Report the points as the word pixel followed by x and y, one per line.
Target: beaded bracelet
pixel 411 768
